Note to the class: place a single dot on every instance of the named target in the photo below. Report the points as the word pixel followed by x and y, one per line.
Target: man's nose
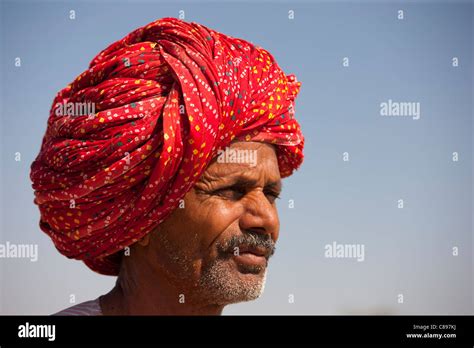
pixel 260 215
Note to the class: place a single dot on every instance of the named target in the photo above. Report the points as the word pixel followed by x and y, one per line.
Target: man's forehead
pixel 251 160
pixel 243 172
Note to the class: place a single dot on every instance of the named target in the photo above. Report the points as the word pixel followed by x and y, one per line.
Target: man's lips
pixel 251 256
pixel 257 251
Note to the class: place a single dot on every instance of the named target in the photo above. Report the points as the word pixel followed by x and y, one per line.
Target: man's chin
pixel 227 281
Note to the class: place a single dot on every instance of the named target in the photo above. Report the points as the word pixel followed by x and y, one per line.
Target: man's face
pixel 217 246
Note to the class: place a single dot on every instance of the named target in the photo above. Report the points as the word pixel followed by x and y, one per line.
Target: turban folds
pixel 167 97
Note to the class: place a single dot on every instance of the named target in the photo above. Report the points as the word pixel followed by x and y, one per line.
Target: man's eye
pixel 272 196
pixel 236 193
pixel 232 193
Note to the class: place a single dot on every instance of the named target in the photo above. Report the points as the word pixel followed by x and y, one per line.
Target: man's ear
pixel 145 240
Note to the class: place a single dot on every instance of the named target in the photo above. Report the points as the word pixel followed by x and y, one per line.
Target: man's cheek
pixel 221 224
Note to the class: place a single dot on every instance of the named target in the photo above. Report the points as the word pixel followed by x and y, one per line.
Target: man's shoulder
pixel 91 307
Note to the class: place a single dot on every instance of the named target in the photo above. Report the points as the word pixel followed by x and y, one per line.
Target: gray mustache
pixel 249 239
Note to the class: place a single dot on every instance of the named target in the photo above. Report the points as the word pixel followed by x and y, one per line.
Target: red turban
pixel 167 97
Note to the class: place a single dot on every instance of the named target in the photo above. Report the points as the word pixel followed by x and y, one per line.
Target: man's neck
pixel 151 298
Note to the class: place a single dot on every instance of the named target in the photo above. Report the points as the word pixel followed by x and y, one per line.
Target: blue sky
pixel 407 251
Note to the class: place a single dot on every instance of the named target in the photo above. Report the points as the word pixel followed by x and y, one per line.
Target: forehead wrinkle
pixel 225 172
pixel 242 174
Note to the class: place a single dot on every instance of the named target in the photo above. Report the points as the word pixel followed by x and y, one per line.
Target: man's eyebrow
pixel 249 182
pixel 277 185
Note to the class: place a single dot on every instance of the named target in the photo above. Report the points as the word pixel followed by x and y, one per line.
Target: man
pixel 171 185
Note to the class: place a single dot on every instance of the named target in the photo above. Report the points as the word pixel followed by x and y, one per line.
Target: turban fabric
pixel 167 97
